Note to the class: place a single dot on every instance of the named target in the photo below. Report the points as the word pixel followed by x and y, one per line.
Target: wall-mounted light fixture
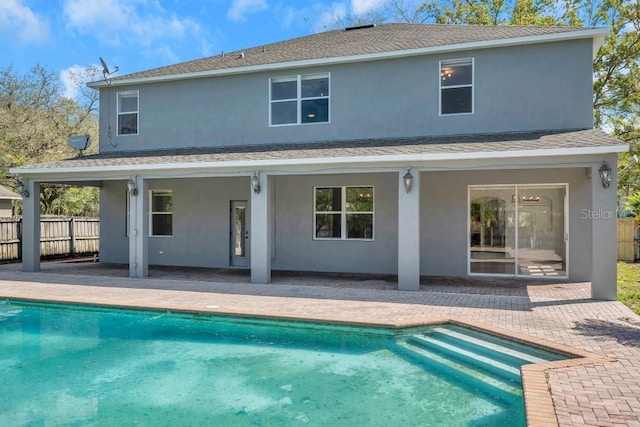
pixel 255 183
pixel 131 185
pixel 605 174
pixel 407 180
pixel 22 189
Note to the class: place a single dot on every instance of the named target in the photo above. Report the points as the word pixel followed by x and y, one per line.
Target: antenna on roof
pixel 105 69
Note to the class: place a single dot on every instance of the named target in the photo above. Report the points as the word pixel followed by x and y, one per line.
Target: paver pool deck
pixel 601 388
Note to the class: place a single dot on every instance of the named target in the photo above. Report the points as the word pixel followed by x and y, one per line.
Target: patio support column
pixel 138 229
pixel 409 233
pixel 31 227
pixel 604 248
pixel 261 232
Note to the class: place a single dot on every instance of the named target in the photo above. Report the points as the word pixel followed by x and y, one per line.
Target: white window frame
pixel 298 79
pixel 129 93
pixel 151 212
pixel 344 212
pixel 460 61
pixel 517 187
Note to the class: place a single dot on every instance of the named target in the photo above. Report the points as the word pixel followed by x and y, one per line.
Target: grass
pixel 629 285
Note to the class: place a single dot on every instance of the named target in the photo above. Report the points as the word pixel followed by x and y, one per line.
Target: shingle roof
pixel 342 43
pixel 459 144
pixel 5 193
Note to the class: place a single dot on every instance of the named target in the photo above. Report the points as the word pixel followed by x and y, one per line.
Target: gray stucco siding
pixel 200 222
pixel 380 99
pixel 114 244
pixel 296 248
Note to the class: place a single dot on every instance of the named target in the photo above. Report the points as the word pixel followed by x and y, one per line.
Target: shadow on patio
pixel 493 293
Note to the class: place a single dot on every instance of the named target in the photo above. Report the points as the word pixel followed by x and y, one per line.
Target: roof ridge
pixel 367 42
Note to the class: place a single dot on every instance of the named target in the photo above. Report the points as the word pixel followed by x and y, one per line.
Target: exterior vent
pixel 359 27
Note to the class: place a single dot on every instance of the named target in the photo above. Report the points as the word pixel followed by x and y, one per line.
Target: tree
pixel 36 120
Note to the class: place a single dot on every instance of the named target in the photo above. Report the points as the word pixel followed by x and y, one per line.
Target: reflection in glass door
pixel 518 230
pixel 239 235
pixel 541 231
pixel 492 234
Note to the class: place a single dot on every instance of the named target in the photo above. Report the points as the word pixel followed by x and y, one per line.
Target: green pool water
pixel 73 365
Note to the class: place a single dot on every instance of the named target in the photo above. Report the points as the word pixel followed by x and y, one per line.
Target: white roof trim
pixel 263 164
pixel 598 34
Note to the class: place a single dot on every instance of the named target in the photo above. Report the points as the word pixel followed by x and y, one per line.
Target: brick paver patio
pixel 603 392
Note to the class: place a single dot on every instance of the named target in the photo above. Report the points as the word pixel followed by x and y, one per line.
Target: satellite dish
pixel 105 68
pixel 79 142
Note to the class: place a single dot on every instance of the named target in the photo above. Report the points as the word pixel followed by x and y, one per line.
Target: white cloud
pixel 24 25
pixel 329 16
pixel 70 81
pixel 75 78
pixel 359 7
pixel 239 9
pixel 118 22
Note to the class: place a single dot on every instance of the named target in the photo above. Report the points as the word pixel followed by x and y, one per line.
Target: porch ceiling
pixel 351 152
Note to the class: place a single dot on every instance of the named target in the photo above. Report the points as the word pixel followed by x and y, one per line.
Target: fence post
pixel 72 237
pixel 19 236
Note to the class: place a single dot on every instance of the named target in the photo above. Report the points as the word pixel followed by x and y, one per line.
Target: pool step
pixel 464 374
pixel 489 345
pixel 459 351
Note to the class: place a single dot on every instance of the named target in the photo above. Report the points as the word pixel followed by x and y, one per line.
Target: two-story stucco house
pixel 414 150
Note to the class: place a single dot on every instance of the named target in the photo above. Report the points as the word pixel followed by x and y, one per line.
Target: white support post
pixel 138 230
pixel 409 233
pixel 604 248
pixel 31 228
pixel 260 232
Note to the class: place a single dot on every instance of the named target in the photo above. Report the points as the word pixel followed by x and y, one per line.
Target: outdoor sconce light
pixel 131 185
pixel 22 189
pixel 255 183
pixel 605 174
pixel 407 180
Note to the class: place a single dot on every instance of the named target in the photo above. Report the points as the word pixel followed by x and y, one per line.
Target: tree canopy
pixel 35 121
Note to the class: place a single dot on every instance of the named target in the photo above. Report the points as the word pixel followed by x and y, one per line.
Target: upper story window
pixel 343 213
pixel 456 86
pixel 299 99
pixel 128 113
pixel 161 212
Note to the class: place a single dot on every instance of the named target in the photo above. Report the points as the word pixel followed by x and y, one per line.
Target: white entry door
pixel 239 236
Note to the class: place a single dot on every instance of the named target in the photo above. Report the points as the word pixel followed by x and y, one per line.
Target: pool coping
pixel 539 408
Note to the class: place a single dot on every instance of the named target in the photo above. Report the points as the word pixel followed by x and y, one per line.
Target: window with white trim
pixel 161 212
pixel 343 212
pixel 128 113
pixel 456 86
pixel 299 99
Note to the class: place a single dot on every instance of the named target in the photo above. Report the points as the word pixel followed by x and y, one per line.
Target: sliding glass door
pixel 518 230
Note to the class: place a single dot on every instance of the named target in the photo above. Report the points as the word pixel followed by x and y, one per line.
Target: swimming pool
pixel 63 364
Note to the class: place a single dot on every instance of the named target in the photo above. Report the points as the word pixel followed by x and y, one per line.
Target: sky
pixel 67 36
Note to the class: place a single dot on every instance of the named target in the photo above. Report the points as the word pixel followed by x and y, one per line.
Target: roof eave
pixel 317 161
pixel 597 34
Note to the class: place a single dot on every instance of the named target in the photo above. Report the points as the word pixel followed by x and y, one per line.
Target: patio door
pixel 518 230
pixel 239 234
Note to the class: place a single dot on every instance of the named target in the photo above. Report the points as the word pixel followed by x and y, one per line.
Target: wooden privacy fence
pixel 628 239
pixel 59 237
